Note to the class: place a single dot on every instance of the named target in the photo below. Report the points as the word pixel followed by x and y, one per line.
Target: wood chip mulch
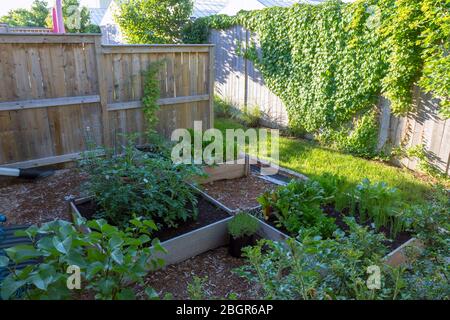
pixel 216 264
pixel 238 193
pixel 36 202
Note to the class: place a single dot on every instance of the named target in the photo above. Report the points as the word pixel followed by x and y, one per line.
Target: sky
pixel 6 5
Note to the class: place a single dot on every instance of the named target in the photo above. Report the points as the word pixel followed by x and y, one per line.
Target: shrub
pixel 250 116
pixel 297 206
pixel 111 261
pixel 222 108
pixel 242 224
pixel 314 268
pixel 153 21
pixel 136 183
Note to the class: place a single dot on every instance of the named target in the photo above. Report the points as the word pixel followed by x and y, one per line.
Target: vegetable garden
pixel 134 224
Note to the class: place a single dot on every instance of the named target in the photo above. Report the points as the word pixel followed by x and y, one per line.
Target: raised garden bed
pixel 190 238
pixel 226 171
pixel 217 265
pixel 240 193
pixel 233 196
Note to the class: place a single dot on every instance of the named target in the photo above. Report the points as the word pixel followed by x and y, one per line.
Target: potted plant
pixel 242 229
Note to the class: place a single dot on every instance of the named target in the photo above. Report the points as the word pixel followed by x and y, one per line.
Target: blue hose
pixel 2 232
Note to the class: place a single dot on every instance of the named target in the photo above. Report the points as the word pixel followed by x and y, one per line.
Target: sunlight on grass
pixel 313 160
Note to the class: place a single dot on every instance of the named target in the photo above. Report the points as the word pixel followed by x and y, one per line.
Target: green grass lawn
pixel 313 160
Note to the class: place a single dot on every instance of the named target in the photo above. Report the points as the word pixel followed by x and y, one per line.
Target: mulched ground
pixel 207 214
pixel 217 265
pixel 36 202
pixel 238 193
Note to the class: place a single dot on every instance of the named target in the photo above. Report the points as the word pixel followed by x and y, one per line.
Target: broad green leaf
pixel 9 286
pixel 62 246
pixel 22 253
pixel 4 261
pixel 117 256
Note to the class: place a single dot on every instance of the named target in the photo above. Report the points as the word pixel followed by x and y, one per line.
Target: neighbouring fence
pixel 60 92
pixel 238 82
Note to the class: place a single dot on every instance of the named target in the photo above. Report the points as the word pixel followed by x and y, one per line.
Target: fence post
pixel 103 91
pixel 212 79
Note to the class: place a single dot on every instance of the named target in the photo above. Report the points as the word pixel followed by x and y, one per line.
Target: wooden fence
pixel 238 81
pixel 58 92
pixel 241 84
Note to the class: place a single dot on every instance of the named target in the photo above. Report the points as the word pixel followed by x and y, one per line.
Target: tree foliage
pixel 153 21
pixel 76 18
pixel 35 17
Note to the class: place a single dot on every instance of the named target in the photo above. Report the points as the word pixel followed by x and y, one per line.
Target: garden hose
pixel 30 174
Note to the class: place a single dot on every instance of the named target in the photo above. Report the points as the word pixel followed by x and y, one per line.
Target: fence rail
pixel 240 83
pixel 60 91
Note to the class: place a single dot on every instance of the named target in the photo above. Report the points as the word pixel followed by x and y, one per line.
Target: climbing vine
pixel 151 93
pixel 330 62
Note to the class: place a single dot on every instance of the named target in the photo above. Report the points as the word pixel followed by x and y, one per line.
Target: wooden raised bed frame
pixel 216 234
pixel 226 171
pixel 396 257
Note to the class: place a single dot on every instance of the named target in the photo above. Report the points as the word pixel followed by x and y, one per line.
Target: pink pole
pixel 55 20
pixel 59 17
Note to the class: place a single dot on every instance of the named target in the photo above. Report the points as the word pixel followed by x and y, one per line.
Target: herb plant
pixel 242 224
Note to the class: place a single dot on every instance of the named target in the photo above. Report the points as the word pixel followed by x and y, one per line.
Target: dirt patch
pixel 36 202
pixel 217 265
pixel 238 193
pixel 207 214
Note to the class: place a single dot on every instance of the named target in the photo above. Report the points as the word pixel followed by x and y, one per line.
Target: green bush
pixel 136 183
pixel 222 108
pixel 360 140
pixel 250 116
pixel 242 224
pixel 315 268
pixel 111 261
pixel 153 21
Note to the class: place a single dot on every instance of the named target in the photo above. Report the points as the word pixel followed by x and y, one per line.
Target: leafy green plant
pixel 110 260
pixel 141 184
pixel 250 116
pixel 380 204
pixel 314 268
pixel 223 108
pixel 360 140
pixel 335 188
pixel 242 224
pixel 196 288
pixel 297 206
